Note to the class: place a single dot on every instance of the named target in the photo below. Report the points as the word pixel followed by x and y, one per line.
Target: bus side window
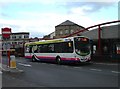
pixel 39 48
pixel 64 47
pixel 27 49
pixel 44 48
pixel 51 48
pixel 35 49
pixel 58 48
pixel 67 47
pixel 30 49
pixel 70 47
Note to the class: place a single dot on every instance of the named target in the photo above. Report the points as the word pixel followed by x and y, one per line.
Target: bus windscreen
pixel 82 46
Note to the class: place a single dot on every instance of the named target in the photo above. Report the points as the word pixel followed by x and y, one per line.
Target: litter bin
pixel 12 61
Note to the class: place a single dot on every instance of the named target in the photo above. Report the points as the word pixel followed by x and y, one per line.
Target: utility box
pixel 12 61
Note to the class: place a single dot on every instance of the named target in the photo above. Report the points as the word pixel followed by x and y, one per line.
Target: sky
pixel 39 17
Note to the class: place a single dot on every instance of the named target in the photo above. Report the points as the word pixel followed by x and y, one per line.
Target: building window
pixel 22 36
pixel 61 32
pixel 19 37
pixel 66 31
pixel 71 31
pixel 10 37
pixel 26 36
pixel 13 37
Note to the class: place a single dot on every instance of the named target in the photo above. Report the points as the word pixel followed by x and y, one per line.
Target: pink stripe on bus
pixel 53 58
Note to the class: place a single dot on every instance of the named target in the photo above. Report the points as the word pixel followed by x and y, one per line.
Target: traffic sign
pixel 6 32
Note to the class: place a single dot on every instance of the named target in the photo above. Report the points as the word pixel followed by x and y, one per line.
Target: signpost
pixel 6 32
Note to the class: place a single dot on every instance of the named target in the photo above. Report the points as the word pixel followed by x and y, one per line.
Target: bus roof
pixel 51 41
pixel 45 42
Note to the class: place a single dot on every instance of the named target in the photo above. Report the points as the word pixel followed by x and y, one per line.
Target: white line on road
pixel 115 72
pixel 107 63
pixel 78 67
pixel 24 64
pixel 96 69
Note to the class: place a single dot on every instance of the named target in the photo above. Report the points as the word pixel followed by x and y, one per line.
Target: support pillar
pixel 99 40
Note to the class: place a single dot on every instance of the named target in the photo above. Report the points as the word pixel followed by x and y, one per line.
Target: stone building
pixel 66 28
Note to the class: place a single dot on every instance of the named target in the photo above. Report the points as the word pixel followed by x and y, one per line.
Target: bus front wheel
pixel 33 59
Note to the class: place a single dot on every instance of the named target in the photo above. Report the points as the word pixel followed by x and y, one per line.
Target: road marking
pixel 24 64
pixel 0 72
pixel 96 69
pixel 106 63
pixel 78 67
pixel 115 72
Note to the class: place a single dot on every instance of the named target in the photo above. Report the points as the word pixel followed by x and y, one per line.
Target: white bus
pixel 71 50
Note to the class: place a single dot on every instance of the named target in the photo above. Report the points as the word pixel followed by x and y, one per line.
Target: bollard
pixel 12 61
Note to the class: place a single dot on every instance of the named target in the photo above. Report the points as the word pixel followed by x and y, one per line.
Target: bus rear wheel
pixel 58 60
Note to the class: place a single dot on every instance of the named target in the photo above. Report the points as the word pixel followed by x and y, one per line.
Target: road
pixel 37 74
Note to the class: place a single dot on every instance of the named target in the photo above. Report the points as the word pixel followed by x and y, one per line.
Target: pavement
pixel 5 68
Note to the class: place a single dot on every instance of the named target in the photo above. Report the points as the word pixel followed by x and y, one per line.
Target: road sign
pixel 6 32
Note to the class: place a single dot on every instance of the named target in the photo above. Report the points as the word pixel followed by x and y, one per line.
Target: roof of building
pixel 18 33
pixel 67 23
pixel 107 32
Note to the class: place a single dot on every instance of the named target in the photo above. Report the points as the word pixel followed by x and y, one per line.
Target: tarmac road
pixel 37 74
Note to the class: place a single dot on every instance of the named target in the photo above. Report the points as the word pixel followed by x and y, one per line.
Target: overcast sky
pixel 39 17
